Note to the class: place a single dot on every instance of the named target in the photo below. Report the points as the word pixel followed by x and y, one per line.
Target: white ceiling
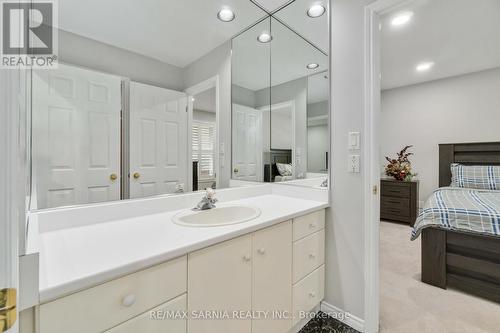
pixel 290 56
pixel 175 32
pixel 459 36
pixel 205 101
pixel 271 5
pixel 314 30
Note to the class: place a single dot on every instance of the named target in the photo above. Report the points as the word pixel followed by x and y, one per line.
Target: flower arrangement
pixel 400 168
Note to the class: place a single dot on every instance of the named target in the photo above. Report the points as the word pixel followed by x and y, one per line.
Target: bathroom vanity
pixel 260 275
pixel 118 151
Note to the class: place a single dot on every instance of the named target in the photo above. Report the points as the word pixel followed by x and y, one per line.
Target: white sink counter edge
pixel 79 258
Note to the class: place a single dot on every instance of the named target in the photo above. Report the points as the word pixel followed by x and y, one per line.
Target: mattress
pixel 461 209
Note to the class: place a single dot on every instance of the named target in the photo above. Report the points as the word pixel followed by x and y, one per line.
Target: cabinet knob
pixel 113 176
pixel 312 294
pixel 312 256
pixel 312 226
pixel 136 175
pixel 247 258
pixel 128 300
pixel 261 251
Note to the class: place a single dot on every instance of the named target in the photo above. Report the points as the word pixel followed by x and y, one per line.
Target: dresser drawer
pixel 308 292
pixel 107 305
pixel 308 224
pixel 395 191
pixel 394 202
pixel 156 320
pixel 308 254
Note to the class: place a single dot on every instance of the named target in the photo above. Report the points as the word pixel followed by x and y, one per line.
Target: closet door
pixel 76 136
pixel 158 140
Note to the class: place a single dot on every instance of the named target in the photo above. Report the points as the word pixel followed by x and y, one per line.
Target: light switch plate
pixel 354 164
pixel 354 141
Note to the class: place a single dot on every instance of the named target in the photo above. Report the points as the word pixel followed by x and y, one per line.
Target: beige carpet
pixel 408 305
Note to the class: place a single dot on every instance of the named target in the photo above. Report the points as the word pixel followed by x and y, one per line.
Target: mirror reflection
pixel 217 99
pixel 123 117
pixel 281 103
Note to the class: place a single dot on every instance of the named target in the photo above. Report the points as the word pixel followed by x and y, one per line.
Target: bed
pixel 460 228
pixel 271 173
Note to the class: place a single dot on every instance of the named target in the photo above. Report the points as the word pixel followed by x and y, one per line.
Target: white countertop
pixel 78 258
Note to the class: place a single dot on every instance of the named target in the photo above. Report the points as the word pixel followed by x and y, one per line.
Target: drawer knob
pixel 261 251
pixel 247 258
pixel 312 226
pixel 312 256
pixel 312 295
pixel 128 300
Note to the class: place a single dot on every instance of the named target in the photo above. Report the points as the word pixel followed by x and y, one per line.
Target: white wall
pixel 281 129
pixel 217 62
pixel 454 110
pixel 243 96
pixel 205 116
pixel 317 109
pixel 89 53
pixel 317 146
pixel 295 90
pixel 344 230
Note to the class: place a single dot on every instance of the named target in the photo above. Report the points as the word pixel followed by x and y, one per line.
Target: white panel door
pixel 247 143
pixel 76 136
pixel 158 140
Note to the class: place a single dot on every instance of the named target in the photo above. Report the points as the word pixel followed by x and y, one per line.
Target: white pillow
pixel 284 169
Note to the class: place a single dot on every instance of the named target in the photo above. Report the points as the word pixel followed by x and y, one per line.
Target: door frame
pixel 371 173
pixel 213 82
pixel 15 190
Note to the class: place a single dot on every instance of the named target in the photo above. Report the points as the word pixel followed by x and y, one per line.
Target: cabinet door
pixel 220 280
pixel 272 278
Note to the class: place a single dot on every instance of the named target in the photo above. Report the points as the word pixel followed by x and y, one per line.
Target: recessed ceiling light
pixel 226 15
pixel 316 11
pixel 312 66
pixel 401 18
pixel 265 37
pixel 425 66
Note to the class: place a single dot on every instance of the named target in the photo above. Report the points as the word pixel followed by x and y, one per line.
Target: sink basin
pixel 221 215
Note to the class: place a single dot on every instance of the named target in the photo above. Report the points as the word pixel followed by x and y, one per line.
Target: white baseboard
pixel 344 317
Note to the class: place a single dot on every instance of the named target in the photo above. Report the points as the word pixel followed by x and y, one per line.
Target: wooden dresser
pixel 399 201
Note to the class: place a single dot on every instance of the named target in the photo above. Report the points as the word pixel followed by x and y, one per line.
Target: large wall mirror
pixel 280 98
pixel 139 105
pixel 219 91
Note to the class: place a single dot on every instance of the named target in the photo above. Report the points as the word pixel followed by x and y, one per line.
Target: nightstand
pixel 399 200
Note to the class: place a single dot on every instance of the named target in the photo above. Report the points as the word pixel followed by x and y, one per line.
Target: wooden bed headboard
pixel 485 153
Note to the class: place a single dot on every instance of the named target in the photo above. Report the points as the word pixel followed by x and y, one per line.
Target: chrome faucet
pixel 208 201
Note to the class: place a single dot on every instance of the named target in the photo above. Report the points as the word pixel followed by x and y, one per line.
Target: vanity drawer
pixel 308 292
pixel 158 323
pixel 109 304
pixel 308 224
pixel 308 254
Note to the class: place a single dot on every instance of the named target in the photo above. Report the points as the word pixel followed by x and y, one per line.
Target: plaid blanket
pixel 461 209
